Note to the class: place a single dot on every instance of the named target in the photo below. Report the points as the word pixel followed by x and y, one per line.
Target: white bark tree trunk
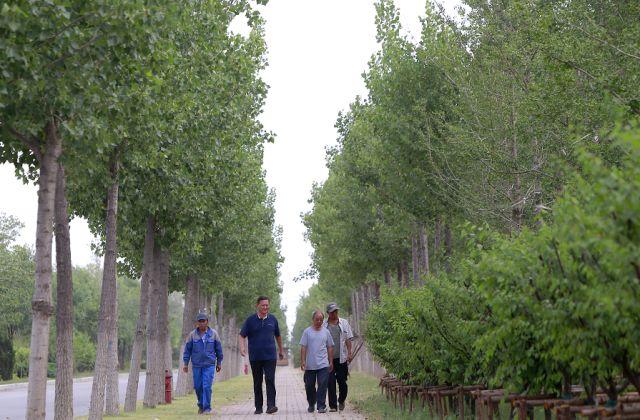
pixel 154 362
pixel 64 313
pixel 415 261
pixel 108 316
pixel 141 325
pixel 163 327
pixel 41 307
pixel 183 384
pixel 424 250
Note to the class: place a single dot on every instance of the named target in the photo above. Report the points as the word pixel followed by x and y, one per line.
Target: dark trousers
pixel 268 369
pixel 339 375
pixel 316 396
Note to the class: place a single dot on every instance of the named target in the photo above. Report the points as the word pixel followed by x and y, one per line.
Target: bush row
pixel 534 311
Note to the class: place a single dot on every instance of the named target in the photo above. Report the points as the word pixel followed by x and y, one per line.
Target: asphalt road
pixel 13 397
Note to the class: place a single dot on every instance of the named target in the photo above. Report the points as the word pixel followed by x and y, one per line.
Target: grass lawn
pixel 227 392
pixel 366 397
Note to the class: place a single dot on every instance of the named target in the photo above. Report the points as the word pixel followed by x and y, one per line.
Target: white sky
pixel 317 53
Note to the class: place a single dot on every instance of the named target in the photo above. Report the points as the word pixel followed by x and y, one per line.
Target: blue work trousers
pixel 202 382
pixel 316 396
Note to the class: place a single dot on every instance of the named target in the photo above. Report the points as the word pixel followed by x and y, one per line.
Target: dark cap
pixel 202 317
pixel 332 307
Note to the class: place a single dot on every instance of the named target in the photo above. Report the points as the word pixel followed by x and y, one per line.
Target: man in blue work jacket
pixel 204 348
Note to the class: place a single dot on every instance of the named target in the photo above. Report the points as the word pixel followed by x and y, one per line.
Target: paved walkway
pixel 290 399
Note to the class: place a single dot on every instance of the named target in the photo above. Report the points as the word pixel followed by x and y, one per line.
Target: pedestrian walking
pixel 260 329
pixel 316 360
pixel 342 335
pixel 204 349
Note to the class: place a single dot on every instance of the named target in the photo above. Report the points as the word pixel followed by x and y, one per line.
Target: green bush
pixel 21 368
pixel 534 311
pixel 7 358
pixel 84 352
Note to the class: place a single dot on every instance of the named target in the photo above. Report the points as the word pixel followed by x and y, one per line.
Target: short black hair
pixel 262 298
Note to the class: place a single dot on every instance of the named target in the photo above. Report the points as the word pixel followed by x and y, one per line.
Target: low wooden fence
pixel 477 402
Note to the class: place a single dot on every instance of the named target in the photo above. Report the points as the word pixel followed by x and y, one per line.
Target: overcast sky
pixel 317 53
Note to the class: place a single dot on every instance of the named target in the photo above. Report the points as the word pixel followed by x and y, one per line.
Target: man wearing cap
pixel 204 348
pixel 342 335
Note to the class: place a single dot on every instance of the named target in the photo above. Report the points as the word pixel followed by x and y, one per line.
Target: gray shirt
pixel 316 343
pixel 335 334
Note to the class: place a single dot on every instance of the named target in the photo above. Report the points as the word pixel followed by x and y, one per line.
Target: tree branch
pixel 29 141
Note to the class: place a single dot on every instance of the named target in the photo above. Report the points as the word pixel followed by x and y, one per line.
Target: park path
pixel 290 399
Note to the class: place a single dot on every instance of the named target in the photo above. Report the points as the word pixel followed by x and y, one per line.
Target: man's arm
pixel 280 350
pixel 330 351
pixel 219 354
pixel 349 354
pixel 303 356
pixel 349 339
pixel 243 352
pixel 186 355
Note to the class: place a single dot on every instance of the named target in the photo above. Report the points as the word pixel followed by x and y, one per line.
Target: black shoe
pixel 272 410
pixel 200 411
pixel 341 406
pixel 311 409
pixel 332 409
pixel 258 411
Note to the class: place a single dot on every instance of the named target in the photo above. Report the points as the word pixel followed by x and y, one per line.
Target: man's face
pixel 318 318
pixel 333 315
pixel 263 307
pixel 203 324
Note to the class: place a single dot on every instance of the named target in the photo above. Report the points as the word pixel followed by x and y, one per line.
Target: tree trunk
pixel 399 271
pixel 154 360
pixel 405 273
pixel 537 184
pixel 415 261
pixel 220 307
pixel 516 189
pixel 388 279
pixel 108 316
pixel 424 249
pixel 141 326
pixel 448 246
pixel 437 242
pixel 112 407
pixel 183 385
pixel 41 307
pixel 64 311
pixel 163 325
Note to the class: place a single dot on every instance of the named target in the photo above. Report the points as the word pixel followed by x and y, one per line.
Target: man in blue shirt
pixel 204 348
pixel 261 328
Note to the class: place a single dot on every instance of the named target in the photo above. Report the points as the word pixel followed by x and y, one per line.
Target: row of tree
pixel 486 121
pixel 16 285
pixel 141 117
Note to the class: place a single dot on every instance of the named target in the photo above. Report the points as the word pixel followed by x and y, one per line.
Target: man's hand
pixel 218 368
pixel 185 369
pixel 281 355
pixel 302 366
pixel 243 352
pixel 349 357
pixel 331 366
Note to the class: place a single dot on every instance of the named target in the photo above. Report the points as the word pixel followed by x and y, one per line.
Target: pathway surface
pixel 290 399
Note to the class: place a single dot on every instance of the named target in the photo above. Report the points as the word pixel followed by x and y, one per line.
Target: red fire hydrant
pixel 168 382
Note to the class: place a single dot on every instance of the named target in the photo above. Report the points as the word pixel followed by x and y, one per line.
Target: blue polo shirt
pixel 261 334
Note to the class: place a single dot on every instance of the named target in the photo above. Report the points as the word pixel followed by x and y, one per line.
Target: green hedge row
pixel 537 311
